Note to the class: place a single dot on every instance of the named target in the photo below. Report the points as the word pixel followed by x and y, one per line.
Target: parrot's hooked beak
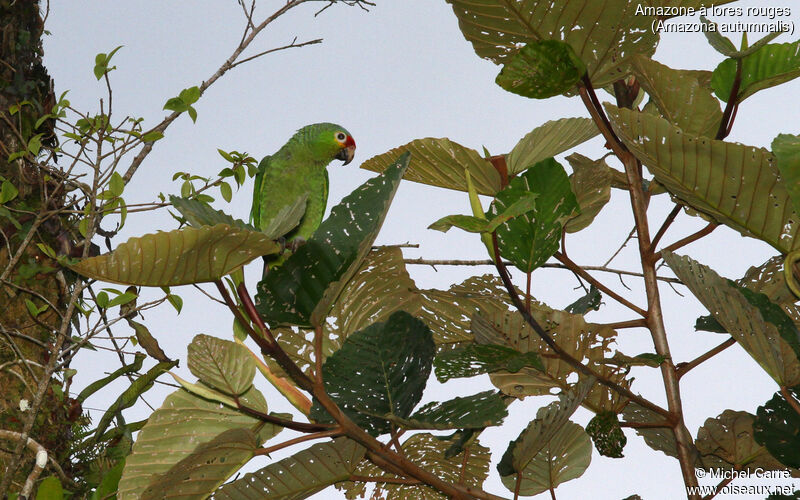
pixel 346 153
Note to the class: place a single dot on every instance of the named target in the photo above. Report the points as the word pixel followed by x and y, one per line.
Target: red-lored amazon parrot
pixel 296 171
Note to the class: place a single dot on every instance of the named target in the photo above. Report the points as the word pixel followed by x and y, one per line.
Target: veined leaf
pixel 469 468
pixel 771 65
pixel 603 33
pixel 540 431
pixel 221 364
pixel 746 322
pixel 441 162
pixel 175 430
pixel 471 412
pixel 606 433
pixel 549 139
pixel 591 183
pixel 658 438
pixel 679 96
pixel 208 466
pixel 786 149
pixel 529 240
pixel 725 180
pixel 179 257
pixel 200 214
pixel 727 442
pixel 379 370
pixel 542 69
pixel 300 475
pixel 777 428
pixel 302 290
pixel 566 456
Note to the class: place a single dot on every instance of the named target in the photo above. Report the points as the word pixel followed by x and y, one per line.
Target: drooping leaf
pixel 476 359
pixel 469 468
pixel 679 96
pixel 770 65
pixel 200 214
pixel 148 342
pixel 607 435
pixel 471 412
pixel 725 180
pixel 724 46
pixel 221 364
pixel 381 370
pixel 130 395
pixel 750 324
pixel 542 69
pixel 207 467
pixel 135 366
pixel 566 456
pixel 302 290
pixel 777 428
pixel 175 430
pixel 529 240
pixel 591 183
pixel 589 302
pixel 549 139
pixel 540 431
pixel 786 149
pixel 727 442
pixel 300 475
pixel 603 33
pixel 441 162
pixel 179 257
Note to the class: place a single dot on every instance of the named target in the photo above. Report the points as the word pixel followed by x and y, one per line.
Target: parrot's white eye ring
pixel 341 136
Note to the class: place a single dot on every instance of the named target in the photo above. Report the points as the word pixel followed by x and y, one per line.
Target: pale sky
pixel 399 72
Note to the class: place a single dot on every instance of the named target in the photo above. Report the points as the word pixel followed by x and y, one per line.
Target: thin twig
pixel 683 368
pixel 301 439
pixel 689 239
pixel 790 399
pixel 663 229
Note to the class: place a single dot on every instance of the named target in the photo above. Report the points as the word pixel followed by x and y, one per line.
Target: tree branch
pixel 683 368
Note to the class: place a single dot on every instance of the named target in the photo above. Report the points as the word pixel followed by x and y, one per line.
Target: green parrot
pixel 298 170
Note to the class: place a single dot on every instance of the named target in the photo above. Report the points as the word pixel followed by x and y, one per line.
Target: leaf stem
pixel 791 400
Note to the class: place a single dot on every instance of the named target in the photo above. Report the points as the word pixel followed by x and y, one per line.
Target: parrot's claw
pixel 296 243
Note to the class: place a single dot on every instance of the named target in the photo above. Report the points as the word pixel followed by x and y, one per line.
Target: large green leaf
pixel 221 364
pixel 786 149
pixel 200 214
pixel 302 290
pixel 199 474
pixel 179 257
pixel 470 412
pixel 441 162
pixel 757 328
pixel 540 431
pixel 300 475
pixel 726 442
pixel 379 370
pixel 529 240
pixel 771 65
pixel 591 183
pixel 566 456
pixel 679 96
pixel 542 69
pixel 725 180
pixel 603 33
pixel 469 468
pixel 549 139
pixel 175 430
pixel 777 427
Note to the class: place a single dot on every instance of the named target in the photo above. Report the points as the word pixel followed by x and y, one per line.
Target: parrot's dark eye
pixel 340 136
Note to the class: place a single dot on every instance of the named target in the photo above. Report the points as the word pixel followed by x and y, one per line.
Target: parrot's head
pixel 329 141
